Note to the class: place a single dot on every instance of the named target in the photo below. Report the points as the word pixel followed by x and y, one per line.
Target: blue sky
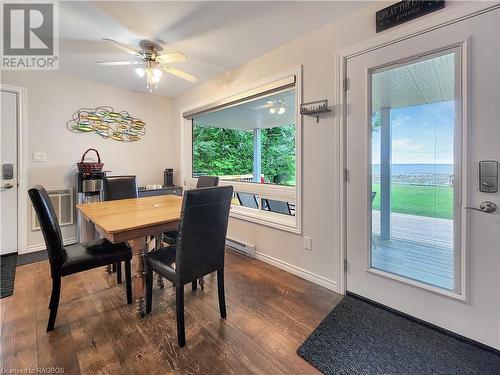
pixel 421 134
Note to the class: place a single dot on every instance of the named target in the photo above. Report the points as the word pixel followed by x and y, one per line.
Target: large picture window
pixel 251 140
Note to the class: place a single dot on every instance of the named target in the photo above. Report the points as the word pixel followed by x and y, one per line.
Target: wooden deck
pixel 421 248
pixel 270 314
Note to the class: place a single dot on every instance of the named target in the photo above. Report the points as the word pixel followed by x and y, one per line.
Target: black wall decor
pixel 404 11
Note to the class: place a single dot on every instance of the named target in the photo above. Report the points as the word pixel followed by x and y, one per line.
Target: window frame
pixel 292 194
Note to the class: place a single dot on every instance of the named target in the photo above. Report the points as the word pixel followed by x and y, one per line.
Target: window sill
pixel 278 221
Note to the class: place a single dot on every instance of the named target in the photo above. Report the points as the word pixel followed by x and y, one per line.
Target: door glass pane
pixel 413 169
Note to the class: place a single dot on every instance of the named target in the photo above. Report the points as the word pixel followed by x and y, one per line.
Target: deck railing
pixel 241 177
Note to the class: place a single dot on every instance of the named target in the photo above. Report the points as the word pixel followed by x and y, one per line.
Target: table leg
pixel 158 245
pixel 139 281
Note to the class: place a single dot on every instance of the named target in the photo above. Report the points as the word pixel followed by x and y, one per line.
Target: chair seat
pixel 161 261
pixel 170 237
pixel 92 254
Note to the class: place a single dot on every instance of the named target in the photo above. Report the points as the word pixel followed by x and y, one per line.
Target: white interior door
pixel 8 173
pixel 421 114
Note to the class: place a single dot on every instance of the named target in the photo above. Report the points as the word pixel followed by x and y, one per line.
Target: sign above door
pixel 405 11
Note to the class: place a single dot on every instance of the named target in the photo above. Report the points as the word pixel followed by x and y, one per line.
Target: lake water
pixel 418 174
pixel 416 169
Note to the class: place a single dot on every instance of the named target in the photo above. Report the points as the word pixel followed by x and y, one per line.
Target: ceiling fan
pixel 152 62
pixel 277 106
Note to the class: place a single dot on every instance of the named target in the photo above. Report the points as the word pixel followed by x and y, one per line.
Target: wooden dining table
pixel 133 221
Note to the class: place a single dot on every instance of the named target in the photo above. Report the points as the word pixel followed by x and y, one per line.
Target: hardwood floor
pixel 270 313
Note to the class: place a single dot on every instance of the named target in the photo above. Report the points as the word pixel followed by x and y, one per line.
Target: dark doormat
pixel 33 257
pixel 8 265
pixel 7 274
pixel 359 338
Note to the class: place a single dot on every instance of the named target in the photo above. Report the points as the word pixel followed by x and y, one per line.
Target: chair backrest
pixel 207 181
pixel 49 225
pixel 247 200
pixel 120 187
pixel 202 232
pixel 279 207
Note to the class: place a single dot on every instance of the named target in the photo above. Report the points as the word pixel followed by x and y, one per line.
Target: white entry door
pixel 8 173
pixel 422 113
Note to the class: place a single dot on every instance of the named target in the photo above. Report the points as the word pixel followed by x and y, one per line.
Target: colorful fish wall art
pixel 106 122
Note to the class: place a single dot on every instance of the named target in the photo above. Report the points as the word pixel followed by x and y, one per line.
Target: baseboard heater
pixel 241 247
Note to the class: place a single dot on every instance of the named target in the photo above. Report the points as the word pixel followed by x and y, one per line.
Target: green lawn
pixel 433 201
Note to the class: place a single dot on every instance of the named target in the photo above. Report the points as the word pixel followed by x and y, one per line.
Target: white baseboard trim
pixel 38 247
pixel 307 275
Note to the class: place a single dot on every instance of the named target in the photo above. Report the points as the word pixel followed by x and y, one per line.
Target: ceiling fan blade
pixel 179 73
pixel 119 62
pixel 171 57
pixel 123 47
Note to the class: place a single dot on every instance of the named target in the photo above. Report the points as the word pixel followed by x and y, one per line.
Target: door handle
pixel 487 207
pixel 6 187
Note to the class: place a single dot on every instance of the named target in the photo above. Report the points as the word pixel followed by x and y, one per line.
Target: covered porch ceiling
pixel 266 112
pixel 427 81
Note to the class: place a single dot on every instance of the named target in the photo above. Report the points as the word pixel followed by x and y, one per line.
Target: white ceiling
pixel 216 36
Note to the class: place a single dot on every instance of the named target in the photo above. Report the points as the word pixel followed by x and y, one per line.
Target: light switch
pixel 39 156
pixel 307 243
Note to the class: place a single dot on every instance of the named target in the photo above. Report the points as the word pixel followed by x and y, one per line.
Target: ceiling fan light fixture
pixel 157 73
pixel 152 64
pixel 272 110
pixel 140 72
pixel 281 110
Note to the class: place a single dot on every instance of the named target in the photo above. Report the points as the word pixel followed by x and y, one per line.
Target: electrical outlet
pixel 39 156
pixel 307 243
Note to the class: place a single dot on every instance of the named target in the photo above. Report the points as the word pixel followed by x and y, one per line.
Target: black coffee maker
pixel 168 177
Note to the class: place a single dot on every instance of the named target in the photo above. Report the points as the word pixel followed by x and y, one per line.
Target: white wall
pixel 315 51
pixel 52 98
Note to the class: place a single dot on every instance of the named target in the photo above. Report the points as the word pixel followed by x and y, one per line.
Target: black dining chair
pixel 68 260
pixel 199 250
pixel 170 237
pixel 207 181
pixel 119 187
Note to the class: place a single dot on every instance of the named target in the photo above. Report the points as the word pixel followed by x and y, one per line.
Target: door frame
pixel 398 34
pixel 22 165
